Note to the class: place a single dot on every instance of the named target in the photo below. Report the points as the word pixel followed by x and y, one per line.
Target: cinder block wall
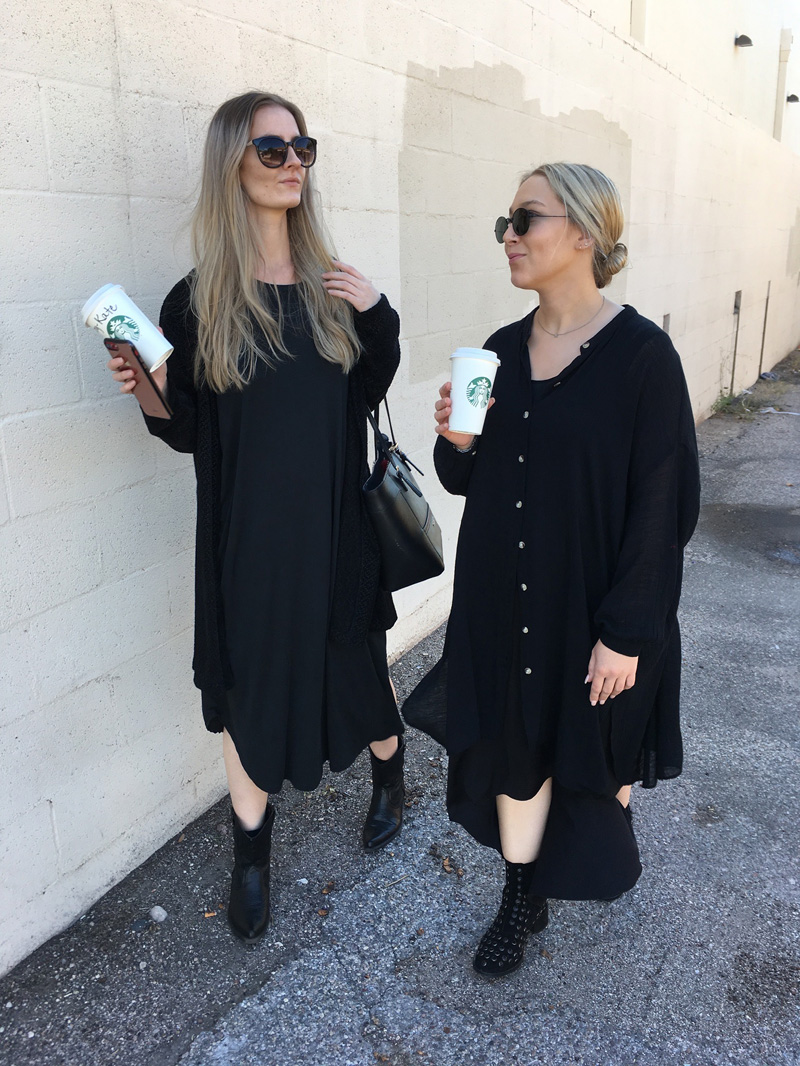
pixel 426 114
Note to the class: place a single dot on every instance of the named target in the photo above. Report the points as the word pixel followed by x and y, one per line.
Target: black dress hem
pixel 383 721
pixel 588 851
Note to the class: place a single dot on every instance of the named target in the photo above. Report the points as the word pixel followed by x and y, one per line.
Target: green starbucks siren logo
pixel 478 392
pixel 122 328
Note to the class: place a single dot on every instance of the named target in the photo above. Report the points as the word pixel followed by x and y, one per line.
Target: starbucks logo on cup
pixel 122 328
pixel 478 392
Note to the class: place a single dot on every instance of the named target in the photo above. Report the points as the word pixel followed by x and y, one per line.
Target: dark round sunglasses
pixel 273 152
pixel 520 222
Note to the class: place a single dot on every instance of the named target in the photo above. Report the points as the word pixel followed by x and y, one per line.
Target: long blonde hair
pixel 225 296
pixel 592 201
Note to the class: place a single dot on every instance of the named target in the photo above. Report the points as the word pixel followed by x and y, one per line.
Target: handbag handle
pixel 389 447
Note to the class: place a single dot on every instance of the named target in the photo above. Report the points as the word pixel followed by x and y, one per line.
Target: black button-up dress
pixel 580 496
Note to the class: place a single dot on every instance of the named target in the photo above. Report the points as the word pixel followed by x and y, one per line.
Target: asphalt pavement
pixel 368 959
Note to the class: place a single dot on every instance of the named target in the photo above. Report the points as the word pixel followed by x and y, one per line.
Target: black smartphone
pixel 150 397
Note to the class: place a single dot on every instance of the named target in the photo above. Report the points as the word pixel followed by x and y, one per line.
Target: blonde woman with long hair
pixel 280 351
pixel 561 671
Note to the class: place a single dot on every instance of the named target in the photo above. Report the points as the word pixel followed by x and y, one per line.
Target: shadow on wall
pixel 469 133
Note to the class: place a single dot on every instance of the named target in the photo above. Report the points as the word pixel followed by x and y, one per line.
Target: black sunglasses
pixel 272 151
pixel 520 222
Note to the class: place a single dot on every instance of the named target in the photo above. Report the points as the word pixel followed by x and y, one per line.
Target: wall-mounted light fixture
pixel 743 41
pixel 793 98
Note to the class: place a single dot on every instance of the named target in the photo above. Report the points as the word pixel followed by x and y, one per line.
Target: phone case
pixel 145 390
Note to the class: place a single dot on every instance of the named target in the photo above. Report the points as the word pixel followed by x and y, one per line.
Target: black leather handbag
pixel 409 536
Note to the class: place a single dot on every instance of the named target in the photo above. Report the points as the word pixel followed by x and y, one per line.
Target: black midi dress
pixel 279 472
pixel 299 699
pixel 580 496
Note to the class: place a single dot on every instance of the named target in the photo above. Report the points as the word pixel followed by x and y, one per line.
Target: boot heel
pixel 542 918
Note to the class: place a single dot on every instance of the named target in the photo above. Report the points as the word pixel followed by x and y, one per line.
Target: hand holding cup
pixel 442 411
pixel 466 398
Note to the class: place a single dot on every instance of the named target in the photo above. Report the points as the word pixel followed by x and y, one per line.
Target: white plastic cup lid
pixel 475 353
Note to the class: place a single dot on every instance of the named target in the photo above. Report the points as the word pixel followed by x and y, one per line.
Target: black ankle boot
pixel 502 946
pixel 248 910
pixel 385 814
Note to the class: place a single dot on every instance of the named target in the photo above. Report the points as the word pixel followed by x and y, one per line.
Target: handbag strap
pixel 389 419
pixel 374 421
pixel 380 440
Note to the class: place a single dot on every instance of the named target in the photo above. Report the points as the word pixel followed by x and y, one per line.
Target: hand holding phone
pixel 148 386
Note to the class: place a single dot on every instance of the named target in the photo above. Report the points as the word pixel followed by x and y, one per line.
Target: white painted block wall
pixel 426 113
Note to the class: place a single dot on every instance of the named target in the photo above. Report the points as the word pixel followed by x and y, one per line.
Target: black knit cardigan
pixel 358 604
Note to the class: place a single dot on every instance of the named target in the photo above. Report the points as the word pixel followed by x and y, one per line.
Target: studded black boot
pixel 248 910
pixel 502 946
pixel 385 814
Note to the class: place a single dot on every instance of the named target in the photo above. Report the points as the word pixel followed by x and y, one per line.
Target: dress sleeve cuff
pixel 155 424
pixel 620 645
pixel 381 318
pixel 467 451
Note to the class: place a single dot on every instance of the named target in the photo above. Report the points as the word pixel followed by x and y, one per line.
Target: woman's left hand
pixel 610 673
pixel 346 283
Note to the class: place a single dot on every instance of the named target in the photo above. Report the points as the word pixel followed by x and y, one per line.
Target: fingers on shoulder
pixel 348 268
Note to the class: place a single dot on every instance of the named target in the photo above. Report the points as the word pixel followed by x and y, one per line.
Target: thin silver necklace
pixel 575 329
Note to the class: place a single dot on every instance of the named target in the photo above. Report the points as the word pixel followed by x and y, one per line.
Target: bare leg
pixel 249 801
pixel 624 795
pixel 522 824
pixel 384 749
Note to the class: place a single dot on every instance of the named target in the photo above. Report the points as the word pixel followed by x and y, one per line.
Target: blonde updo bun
pixel 606 266
pixel 591 200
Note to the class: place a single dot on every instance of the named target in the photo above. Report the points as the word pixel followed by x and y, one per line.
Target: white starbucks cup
pixel 114 315
pixel 472 372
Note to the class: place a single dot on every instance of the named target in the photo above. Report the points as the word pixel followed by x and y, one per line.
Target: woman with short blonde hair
pixel 561 668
